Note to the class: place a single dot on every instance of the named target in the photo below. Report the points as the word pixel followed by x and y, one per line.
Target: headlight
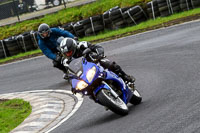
pixel 81 85
pixel 91 73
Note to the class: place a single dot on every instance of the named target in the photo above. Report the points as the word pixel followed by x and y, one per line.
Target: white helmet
pixel 68 47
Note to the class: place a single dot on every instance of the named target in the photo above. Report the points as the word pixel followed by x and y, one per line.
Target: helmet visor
pixel 44 34
pixel 69 53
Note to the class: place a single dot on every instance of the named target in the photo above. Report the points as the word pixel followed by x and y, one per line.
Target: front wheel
pixel 116 105
pixel 136 98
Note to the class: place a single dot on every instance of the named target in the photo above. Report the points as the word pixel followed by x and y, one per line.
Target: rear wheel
pixel 116 105
pixel 136 98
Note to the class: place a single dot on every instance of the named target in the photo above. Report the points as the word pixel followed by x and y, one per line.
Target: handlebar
pixel 98 59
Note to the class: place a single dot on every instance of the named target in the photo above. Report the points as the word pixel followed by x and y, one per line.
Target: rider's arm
pixel 61 32
pixel 46 50
pixel 97 49
pixel 94 48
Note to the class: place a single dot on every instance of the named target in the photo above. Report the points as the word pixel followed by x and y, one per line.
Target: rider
pixel 74 49
pixel 47 41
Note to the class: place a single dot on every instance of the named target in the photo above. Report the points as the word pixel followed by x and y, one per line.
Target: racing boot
pixel 117 69
pixel 128 78
pixel 65 76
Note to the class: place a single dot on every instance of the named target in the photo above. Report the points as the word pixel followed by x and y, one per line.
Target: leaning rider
pixel 74 49
pixel 47 41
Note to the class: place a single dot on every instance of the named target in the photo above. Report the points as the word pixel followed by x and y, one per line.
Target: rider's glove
pixel 93 54
pixel 58 59
pixel 101 56
pixel 96 56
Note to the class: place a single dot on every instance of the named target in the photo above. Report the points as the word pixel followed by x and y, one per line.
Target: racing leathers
pixel 49 46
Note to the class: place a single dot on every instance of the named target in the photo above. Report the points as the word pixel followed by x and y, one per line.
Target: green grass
pixel 12 113
pixel 142 26
pixel 67 15
pixel 5 2
pixel 107 34
pixel 21 55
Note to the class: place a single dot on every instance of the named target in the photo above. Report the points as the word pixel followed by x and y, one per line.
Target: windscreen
pixel 76 65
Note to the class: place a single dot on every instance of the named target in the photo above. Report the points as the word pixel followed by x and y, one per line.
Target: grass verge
pixel 21 56
pixel 147 25
pixel 64 16
pixel 109 35
pixel 12 113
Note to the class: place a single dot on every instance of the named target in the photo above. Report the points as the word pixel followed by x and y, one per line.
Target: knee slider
pixel 55 64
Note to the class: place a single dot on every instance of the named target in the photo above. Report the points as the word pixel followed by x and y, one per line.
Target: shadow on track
pixel 59 86
pixel 93 122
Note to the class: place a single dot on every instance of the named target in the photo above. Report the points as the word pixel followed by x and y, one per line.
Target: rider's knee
pixel 55 63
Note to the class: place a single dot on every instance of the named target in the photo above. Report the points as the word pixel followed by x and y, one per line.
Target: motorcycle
pixel 101 85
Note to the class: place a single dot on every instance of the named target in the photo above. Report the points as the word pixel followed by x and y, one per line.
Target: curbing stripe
pixel 46 110
pixel 80 101
pixel 56 116
pixel 24 132
pixel 33 124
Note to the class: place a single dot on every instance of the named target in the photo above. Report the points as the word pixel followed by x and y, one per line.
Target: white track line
pixel 78 104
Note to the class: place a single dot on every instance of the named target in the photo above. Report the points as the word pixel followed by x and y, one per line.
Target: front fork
pixel 106 86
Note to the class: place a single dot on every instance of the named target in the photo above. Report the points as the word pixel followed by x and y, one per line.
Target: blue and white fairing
pixel 127 94
pixel 81 71
pixel 81 67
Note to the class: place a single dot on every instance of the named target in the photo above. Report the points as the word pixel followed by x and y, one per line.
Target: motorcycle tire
pixel 136 98
pixel 116 105
pixel 56 2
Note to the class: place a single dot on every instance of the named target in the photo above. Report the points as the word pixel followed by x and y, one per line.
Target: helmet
pixel 44 30
pixel 68 47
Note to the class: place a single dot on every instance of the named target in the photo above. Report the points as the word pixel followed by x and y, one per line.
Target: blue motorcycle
pixel 102 85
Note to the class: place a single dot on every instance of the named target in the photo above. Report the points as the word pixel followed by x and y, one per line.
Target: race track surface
pixel 166 64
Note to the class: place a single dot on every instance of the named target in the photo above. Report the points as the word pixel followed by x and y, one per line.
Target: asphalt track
pixel 166 64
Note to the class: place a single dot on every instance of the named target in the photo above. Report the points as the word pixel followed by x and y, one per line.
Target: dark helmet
pixel 68 47
pixel 44 30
